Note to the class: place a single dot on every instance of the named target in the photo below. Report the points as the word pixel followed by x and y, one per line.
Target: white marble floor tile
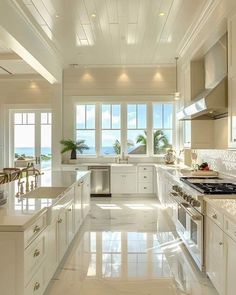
pixel 128 247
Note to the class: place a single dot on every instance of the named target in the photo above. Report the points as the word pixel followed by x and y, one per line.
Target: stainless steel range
pixel 189 210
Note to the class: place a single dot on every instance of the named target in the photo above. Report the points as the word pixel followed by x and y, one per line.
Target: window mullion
pixel 123 127
pixel 98 131
pixel 149 130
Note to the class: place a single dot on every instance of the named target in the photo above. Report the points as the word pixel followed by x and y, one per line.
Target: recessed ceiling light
pixel 161 13
pixel 93 15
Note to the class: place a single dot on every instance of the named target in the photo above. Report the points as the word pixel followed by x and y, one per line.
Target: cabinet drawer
pixel 37 285
pixel 145 169
pixel 34 255
pixel 34 230
pixel 230 228
pixel 145 176
pixel 215 216
pixel 145 188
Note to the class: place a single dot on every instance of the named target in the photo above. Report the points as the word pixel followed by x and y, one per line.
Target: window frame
pixel 89 129
pixel 124 128
pixel 101 128
pixel 141 129
pixel 168 129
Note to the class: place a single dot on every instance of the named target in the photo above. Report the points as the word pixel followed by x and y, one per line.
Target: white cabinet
pixel 85 196
pixel 215 260
pixel 70 222
pixel 232 81
pixel 232 46
pixel 145 179
pixel 230 265
pixel 62 234
pixel 78 205
pixel 123 183
pixel 123 180
pixel 232 111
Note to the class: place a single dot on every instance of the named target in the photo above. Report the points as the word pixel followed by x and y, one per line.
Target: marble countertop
pixel 19 212
pixel 225 205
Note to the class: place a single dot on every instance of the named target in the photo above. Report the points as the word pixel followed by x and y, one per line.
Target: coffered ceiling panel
pixel 115 32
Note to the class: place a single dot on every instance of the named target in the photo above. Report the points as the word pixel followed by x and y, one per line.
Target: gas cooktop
pixel 211 186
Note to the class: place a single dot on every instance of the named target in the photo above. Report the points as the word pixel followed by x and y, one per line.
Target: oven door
pixel 190 228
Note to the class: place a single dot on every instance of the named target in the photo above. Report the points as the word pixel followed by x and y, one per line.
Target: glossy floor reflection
pixel 128 247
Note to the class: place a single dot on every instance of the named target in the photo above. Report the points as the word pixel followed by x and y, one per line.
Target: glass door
pixel 31 138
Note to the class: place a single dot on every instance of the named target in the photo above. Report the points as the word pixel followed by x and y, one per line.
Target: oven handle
pixel 192 215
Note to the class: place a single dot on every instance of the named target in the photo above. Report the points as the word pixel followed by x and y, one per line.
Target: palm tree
pixel 160 141
pixel 117 146
pixel 73 146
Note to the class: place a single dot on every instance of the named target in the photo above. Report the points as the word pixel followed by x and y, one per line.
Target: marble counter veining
pixel 19 211
pixel 225 205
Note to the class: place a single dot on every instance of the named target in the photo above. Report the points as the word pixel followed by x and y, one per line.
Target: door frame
pixel 9 132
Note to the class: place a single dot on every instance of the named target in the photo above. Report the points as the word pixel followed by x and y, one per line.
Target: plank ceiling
pixel 115 32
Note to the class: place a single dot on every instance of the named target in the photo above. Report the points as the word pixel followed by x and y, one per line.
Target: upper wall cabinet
pixel 232 46
pixel 232 80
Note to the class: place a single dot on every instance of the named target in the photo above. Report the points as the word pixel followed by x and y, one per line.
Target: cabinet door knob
pixel 214 216
pixel 145 177
pixel 36 253
pixel 220 243
pixel 37 229
pixel 36 286
pixel 59 220
pixel 69 209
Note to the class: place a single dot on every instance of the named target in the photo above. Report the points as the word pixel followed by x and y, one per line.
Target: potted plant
pixel 73 146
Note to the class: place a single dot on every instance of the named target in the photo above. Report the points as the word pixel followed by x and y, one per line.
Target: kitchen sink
pixel 45 192
pixel 122 164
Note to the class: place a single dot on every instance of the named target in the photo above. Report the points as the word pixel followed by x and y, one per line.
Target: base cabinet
pixel 230 266
pixel 215 259
pixel 29 259
pixel 123 183
pixel 220 251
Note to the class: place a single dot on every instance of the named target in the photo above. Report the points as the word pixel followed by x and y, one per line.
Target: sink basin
pixel 45 192
pixel 122 164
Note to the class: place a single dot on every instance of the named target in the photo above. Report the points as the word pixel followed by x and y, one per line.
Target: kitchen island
pixel 37 225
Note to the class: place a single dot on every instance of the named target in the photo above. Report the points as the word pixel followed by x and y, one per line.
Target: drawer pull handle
pixel 59 220
pixel 36 286
pixel 214 216
pixel 220 243
pixel 37 229
pixel 36 253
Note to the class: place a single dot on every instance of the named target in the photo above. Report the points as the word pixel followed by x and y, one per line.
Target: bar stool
pixel 13 173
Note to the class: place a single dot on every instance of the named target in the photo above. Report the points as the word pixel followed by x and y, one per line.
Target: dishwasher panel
pixel 100 180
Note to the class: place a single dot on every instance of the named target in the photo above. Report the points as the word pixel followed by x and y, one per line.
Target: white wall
pixel 119 81
pixel 34 92
pixel 114 84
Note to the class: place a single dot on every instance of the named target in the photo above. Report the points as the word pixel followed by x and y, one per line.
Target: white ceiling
pixel 11 64
pixel 124 32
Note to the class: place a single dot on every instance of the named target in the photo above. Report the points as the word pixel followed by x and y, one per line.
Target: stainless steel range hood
pixel 209 105
pixel 212 103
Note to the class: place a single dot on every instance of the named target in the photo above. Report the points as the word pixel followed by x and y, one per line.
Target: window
pixel 85 127
pixel 111 144
pixel 136 129
pixel 162 127
pixel 130 130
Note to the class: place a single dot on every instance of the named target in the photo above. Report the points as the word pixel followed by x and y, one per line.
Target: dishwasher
pixel 100 181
